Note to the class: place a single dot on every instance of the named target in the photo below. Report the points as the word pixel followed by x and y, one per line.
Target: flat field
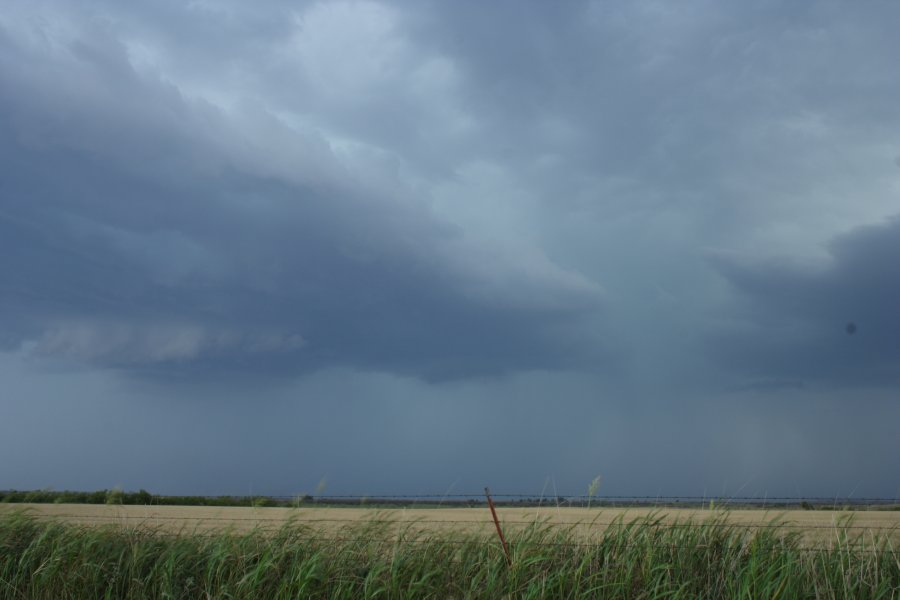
pixel 817 527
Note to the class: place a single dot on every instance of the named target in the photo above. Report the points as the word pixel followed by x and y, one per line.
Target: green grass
pixel 640 559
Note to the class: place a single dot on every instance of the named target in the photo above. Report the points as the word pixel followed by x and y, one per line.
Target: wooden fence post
pixel 487 492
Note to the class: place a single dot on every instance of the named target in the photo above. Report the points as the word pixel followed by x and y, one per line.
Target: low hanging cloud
pixel 141 226
pixel 128 344
pixel 837 322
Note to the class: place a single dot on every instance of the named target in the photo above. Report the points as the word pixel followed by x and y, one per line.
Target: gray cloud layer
pixel 142 226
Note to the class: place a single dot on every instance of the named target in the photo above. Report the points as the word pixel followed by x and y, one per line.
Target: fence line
pixel 553 498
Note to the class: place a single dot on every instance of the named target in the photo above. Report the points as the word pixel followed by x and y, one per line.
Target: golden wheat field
pixel 817 527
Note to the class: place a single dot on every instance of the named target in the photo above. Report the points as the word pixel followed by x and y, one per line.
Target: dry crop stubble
pixel 816 528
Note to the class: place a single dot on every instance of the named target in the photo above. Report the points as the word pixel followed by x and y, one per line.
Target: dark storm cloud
pixel 382 201
pixel 431 188
pixel 140 228
pixel 838 321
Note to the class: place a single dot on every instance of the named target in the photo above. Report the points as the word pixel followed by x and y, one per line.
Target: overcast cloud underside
pixel 637 208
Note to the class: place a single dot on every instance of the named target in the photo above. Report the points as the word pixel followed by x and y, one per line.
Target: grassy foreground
pixel 642 559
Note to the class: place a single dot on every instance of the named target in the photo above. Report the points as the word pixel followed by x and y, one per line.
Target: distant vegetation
pixel 51 559
pixel 143 497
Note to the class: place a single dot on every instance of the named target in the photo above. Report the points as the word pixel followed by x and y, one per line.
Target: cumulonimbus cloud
pixel 141 225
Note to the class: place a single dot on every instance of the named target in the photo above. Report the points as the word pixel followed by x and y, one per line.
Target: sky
pixel 403 247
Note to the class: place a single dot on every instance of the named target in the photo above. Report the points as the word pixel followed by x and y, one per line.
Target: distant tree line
pixel 141 497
